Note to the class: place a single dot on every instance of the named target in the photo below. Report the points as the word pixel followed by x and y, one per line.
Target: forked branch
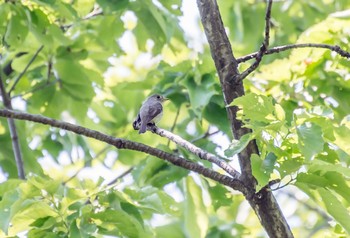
pixel 264 46
pixel 127 144
pixel 202 154
pixel 278 49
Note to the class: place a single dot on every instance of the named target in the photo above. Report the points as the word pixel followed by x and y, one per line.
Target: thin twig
pixel 310 207
pixel 100 153
pixel 265 45
pixel 284 185
pixel 202 154
pixel 73 176
pixel 80 169
pixel 95 12
pixel 49 68
pixel 25 69
pixel 278 49
pixel 120 143
pixel 120 176
pixel 36 89
pixel 174 123
pixel 13 131
pixel 175 120
pixel 205 135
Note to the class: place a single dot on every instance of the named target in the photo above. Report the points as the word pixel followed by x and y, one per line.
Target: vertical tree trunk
pixel 263 203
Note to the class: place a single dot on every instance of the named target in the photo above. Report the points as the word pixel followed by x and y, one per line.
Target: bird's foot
pixel 152 126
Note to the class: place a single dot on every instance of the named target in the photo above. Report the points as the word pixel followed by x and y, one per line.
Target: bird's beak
pixel 165 99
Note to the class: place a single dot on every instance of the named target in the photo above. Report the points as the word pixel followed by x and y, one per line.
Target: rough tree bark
pixel 263 202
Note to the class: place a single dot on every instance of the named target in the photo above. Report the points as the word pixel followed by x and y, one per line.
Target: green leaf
pixel 280 114
pixel 342 137
pixel 17 28
pixel 9 185
pixel 259 171
pixel 172 5
pixel 269 162
pixel 132 210
pixel 196 218
pixel 40 27
pixel 151 25
pixel 331 180
pixel 19 63
pixel 220 196
pixel 313 180
pixel 27 211
pixel 238 145
pixel 75 80
pixel 324 167
pixel 255 107
pixel 335 208
pixel 289 166
pixel 151 167
pixel 118 222
pixel 172 230
pixel 8 199
pixel 153 199
pixel 44 223
pixel 200 92
pixel 74 230
pixel 168 175
pixel 216 114
pixel 110 6
pixel 310 139
pixel 45 183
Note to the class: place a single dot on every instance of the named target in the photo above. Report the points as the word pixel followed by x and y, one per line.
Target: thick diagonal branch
pixel 131 145
pixel 202 154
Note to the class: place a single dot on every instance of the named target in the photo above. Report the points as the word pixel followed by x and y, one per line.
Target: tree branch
pixel 278 49
pixel 120 176
pixel 315 209
pixel 205 135
pixel 227 68
pixel 95 12
pixel 39 87
pixel 25 69
pixel 13 132
pixel 131 145
pixel 263 203
pixel 264 46
pixel 202 154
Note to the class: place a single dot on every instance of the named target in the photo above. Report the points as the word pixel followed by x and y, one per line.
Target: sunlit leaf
pixel 196 219
pixel 335 208
pixel 238 145
pixel 255 107
pixel 262 168
pixel 16 28
pixel 310 139
pixel 113 221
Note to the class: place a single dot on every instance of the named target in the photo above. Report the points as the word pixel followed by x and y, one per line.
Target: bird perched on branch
pixel 150 113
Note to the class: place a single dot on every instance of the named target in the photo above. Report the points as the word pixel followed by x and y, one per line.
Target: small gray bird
pixel 150 112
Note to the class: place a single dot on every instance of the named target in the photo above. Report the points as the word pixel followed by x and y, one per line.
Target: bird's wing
pixel 151 112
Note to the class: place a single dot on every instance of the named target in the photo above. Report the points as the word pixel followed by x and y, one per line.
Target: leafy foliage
pixel 100 59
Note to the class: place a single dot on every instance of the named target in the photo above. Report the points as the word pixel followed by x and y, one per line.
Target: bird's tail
pixel 143 128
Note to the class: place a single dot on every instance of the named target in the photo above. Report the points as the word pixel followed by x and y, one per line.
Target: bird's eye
pixel 158 97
